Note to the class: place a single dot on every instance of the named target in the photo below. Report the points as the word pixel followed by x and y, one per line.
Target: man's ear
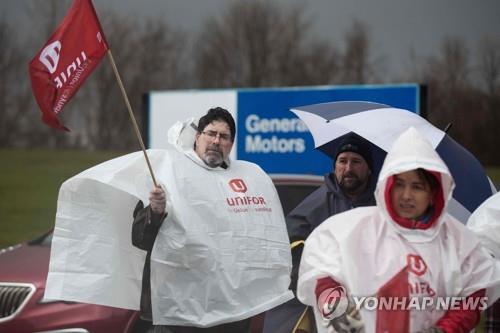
pixel 197 135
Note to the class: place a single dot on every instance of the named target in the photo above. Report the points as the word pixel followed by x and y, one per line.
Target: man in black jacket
pixel 214 140
pixel 201 273
pixel 350 185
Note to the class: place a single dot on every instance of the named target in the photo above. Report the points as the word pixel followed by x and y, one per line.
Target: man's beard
pixel 353 186
pixel 213 156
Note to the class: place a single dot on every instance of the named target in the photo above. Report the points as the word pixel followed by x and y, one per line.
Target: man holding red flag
pixel 66 60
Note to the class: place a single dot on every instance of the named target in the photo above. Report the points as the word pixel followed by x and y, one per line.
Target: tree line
pixel 249 44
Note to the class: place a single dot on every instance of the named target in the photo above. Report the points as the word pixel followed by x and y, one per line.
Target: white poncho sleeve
pixel 321 258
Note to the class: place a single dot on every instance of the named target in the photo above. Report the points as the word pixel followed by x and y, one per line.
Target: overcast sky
pixel 396 26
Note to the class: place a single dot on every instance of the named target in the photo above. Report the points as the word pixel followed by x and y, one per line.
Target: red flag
pixel 396 320
pixel 66 60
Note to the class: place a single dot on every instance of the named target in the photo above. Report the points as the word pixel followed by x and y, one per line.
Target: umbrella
pixel 381 125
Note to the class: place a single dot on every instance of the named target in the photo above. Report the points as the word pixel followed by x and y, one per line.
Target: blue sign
pixel 273 137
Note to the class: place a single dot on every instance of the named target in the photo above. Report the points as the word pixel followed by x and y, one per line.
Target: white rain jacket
pixel 221 255
pixel 363 249
pixel 485 223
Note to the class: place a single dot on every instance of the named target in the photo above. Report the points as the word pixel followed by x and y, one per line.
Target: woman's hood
pixel 412 151
pixel 182 136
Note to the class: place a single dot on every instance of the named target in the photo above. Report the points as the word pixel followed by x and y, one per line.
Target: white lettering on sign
pixel 257 143
pixel 255 124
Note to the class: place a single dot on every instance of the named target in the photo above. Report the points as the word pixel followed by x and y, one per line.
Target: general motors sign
pixel 267 132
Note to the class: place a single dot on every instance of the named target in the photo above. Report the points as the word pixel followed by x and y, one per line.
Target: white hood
pixel 370 254
pixel 412 151
pixel 182 137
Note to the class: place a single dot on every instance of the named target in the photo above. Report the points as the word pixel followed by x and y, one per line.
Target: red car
pixel 24 268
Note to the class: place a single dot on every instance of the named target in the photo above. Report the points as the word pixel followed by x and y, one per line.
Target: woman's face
pixel 411 195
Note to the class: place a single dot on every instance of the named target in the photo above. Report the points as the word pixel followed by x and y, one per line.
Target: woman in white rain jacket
pixel 401 267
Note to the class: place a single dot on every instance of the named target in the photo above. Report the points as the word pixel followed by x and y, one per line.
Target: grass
pixel 29 184
pixel 494 174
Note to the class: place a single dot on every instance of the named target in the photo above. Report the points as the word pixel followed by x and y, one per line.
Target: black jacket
pixel 144 230
pixel 326 201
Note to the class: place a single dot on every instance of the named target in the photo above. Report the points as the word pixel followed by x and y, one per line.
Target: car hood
pixel 26 264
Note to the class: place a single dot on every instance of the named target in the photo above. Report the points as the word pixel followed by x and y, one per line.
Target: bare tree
pixel 453 65
pixel 357 64
pixel 10 65
pixel 257 43
pixel 147 59
pixel 161 59
pixel 20 124
pixel 452 97
pixel 489 64
pixel 448 78
pixel 44 19
pixel 489 73
pixel 147 56
pixel 46 15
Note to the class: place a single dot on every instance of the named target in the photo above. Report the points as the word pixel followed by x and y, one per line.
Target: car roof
pixel 296 179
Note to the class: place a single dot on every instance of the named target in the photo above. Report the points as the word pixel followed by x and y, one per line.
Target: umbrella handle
pixel 447 128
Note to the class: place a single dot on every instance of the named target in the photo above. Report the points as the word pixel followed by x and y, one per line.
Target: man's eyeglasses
pixel 213 135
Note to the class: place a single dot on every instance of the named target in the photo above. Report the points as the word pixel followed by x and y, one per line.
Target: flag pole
pixel 131 114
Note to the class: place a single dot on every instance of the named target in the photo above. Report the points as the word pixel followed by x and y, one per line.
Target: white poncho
pixel 370 254
pixel 221 255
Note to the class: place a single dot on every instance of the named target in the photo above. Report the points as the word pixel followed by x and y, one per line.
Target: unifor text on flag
pixel 66 60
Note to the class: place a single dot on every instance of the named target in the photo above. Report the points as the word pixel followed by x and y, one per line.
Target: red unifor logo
pixel 238 185
pixel 416 264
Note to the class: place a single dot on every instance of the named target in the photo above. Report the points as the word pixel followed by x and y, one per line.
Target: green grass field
pixel 29 184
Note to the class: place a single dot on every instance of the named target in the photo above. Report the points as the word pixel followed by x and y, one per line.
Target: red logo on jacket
pixel 238 185
pixel 416 264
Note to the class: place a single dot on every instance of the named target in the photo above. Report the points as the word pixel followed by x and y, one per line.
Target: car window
pixel 292 195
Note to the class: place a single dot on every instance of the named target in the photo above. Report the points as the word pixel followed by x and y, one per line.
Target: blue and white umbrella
pixel 381 125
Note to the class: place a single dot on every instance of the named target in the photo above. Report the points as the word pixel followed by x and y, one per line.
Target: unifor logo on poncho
pixel 242 202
